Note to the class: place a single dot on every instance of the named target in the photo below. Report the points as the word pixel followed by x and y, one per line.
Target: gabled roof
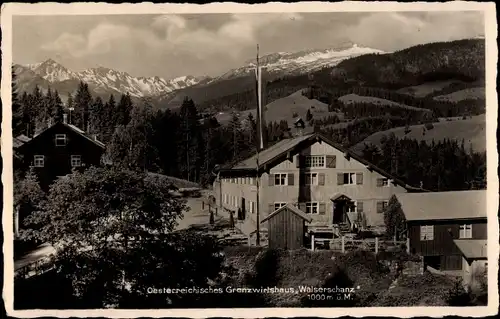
pixel 278 152
pixel 291 208
pixel 270 153
pixel 69 126
pixel 443 205
pixel 473 248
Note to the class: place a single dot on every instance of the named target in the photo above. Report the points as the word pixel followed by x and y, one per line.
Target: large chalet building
pixel 327 182
pixel 449 229
pixel 57 150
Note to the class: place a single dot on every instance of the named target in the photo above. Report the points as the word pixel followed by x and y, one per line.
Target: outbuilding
pixel 286 227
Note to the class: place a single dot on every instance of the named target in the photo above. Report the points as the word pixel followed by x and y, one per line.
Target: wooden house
pixel 57 150
pixel 286 227
pixel 448 229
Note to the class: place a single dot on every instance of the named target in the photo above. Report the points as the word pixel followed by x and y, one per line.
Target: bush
pixel 429 126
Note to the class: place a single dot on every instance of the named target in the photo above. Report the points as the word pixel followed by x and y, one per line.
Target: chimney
pixel 65 118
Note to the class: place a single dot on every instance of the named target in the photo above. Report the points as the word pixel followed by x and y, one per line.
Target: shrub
pixel 429 126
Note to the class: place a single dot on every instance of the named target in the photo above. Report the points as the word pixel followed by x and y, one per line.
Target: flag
pixel 260 108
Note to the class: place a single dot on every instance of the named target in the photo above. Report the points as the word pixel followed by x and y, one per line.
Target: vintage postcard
pixel 233 160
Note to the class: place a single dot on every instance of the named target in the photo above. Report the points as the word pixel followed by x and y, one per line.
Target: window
pixel 315 161
pixel 280 179
pixel 351 207
pixel 349 178
pixel 381 182
pixel 311 179
pixel 252 180
pixel 465 231
pixel 76 161
pixel 39 161
pixel 382 206
pixel 60 139
pixel 427 232
pixel 278 205
pixel 312 208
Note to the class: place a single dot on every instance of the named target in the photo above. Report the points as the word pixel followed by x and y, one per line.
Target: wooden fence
pixel 345 243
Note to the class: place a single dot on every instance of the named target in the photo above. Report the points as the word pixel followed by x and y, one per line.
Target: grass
pixel 467 94
pixel 472 131
pixel 425 89
pixel 425 290
pixel 354 98
pixel 284 109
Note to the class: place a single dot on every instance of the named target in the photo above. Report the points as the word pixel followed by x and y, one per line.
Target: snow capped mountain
pixel 301 62
pixel 52 71
pixel 104 80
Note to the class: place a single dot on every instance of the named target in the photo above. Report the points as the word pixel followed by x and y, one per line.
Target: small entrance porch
pixel 342 206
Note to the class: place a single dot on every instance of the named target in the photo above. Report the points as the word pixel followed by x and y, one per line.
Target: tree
pixel 98 117
pixel 394 218
pixel 37 109
pixel 117 241
pixel 109 120
pixel 58 108
pixel 237 136
pixel 123 110
pixel 189 141
pixel 82 102
pixel 18 120
pixel 28 196
pixel 131 146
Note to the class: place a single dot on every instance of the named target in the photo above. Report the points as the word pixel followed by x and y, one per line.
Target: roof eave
pixel 446 219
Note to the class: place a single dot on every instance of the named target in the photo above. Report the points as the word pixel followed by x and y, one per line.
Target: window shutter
pixel 321 179
pixel 291 178
pixel 380 207
pixel 359 178
pixel 360 207
pixel 340 179
pixel 380 182
pixel 271 179
pixel 302 207
pixel 331 161
pixel 322 208
pixel 271 208
pixel 298 161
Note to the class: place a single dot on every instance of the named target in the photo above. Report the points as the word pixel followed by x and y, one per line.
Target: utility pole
pixel 259 130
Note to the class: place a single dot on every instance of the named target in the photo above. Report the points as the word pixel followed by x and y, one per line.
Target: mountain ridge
pixel 103 79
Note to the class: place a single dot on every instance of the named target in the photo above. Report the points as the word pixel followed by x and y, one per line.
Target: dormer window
pixel 76 161
pixel 60 139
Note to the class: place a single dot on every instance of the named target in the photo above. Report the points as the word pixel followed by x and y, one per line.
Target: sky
pixel 210 44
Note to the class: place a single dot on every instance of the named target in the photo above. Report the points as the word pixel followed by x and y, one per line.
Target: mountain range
pixel 105 81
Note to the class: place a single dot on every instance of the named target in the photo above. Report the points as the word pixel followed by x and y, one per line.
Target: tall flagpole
pixel 259 132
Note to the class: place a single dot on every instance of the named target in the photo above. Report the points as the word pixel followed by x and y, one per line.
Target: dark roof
pixel 69 126
pixel 443 205
pixel 277 152
pixel 291 208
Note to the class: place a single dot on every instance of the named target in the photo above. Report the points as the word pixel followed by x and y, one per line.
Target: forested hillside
pixel 189 142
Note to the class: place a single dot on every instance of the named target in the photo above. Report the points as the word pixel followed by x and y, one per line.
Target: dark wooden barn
pixel 286 227
pixel 436 221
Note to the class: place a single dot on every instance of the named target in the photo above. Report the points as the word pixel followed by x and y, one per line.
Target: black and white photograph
pixel 228 157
